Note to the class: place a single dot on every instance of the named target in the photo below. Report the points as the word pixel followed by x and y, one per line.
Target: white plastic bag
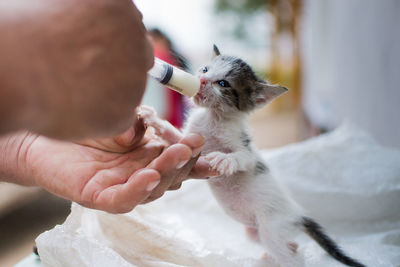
pixel 344 179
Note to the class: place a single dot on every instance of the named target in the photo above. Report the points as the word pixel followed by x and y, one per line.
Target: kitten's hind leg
pixel 252 234
pixel 163 128
pixel 293 246
pixel 276 237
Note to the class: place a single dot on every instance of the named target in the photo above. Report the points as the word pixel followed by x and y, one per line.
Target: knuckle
pixel 122 209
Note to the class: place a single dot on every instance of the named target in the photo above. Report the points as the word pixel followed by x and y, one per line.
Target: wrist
pixel 14 149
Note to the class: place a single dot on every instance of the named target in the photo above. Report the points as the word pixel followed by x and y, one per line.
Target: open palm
pixel 113 174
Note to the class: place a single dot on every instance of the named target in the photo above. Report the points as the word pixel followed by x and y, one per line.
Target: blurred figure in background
pixel 174 103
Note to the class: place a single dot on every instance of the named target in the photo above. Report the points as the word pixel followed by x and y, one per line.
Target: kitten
pixel 245 189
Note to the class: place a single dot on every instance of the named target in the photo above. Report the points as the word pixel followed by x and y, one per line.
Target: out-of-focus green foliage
pixel 282 11
pixel 241 6
pixel 243 9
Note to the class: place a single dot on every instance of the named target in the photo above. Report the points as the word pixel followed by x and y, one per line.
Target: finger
pixel 195 142
pixel 202 170
pixel 168 164
pixel 123 198
pixel 176 177
pixel 175 186
pixel 183 173
pixel 133 135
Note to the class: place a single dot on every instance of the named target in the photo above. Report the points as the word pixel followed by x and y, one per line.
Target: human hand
pixel 87 66
pixel 113 174
pixel 171 178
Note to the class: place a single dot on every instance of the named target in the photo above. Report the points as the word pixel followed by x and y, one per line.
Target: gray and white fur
pixel 246 189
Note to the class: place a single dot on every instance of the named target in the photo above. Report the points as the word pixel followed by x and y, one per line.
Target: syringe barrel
pixel 174 78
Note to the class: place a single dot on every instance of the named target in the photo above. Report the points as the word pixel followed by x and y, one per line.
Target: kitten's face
pixel 228 84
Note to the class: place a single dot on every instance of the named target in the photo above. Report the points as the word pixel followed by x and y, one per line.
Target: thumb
pixel 132 136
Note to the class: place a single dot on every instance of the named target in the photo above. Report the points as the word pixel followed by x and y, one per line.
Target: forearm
pixel 71 69
pixel 13 153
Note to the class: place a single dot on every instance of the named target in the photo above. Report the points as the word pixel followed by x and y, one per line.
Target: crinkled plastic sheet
pixel 345 180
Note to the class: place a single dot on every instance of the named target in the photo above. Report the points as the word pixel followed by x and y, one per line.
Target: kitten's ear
pixel 216 51
pixel 267 92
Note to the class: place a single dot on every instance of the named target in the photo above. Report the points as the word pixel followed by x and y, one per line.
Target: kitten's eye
pixel 224 83
pixel 204 70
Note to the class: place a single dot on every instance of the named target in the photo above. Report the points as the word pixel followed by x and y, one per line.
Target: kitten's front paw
pixel 147 114
pixel 150 118
pixel 223 163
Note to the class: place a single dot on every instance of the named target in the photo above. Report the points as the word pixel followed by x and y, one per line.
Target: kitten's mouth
pixel 199 96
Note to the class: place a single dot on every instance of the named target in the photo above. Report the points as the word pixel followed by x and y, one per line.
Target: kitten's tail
pixel 316 232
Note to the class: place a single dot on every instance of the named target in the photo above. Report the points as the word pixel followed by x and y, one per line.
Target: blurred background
pixel 339 58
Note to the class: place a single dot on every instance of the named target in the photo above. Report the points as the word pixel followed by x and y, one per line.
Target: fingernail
pixel 214 173
pixel 181 164
pixel 196 151
pixel 152 185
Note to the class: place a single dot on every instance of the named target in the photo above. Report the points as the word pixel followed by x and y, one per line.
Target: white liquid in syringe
pixel 174 78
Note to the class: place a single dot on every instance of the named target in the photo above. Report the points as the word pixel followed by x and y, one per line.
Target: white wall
pixel 352 65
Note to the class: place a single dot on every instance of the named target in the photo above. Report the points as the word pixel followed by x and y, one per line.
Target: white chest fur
pixel 221 135
pixel 242 190
pixel 226 136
